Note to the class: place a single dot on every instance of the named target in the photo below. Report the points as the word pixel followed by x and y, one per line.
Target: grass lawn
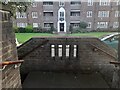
pixel 22 37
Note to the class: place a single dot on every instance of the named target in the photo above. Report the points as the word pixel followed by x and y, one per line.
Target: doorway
pixel 61 27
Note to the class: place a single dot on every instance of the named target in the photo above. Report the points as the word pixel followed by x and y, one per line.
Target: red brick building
pixel 102 14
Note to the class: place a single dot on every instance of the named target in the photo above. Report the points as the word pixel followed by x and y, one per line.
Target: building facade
pixel 99 15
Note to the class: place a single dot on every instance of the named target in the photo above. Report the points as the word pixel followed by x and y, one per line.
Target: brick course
pixel 8 52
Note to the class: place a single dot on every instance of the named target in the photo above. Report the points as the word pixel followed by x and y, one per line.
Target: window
pixel 75 2
pixel 103 14
pixel 23 25
pixel 75 51
pixel 117 13
pixel 48 25
pixel 115 24
pixel 48 13
pixel 67 50
pixel 35 25
pixel 47 3
pixel 75 13
pixel 34 15
pixel 60 50
pixel 90 2
pixel 89 14
pixel 52 50
pixel 61 17
pixel 102 25
pixel 104 2
pixel 118 2
pixel 34 4
pixel 61 14
pixel 21 15
pixel 75 25
pixel 61 3
pixel 89 25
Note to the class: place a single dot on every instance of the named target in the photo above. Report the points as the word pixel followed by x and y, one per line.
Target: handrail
pixel 114 62
pixel 104 51
pixel 11 62
pixel 6 63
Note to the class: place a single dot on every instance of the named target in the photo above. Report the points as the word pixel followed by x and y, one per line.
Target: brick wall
pixel 92 56
pixel 8 52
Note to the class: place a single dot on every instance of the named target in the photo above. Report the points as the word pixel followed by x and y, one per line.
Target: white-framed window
pixel 60 50
pixel 104 2
pixel 103 14
pixel 61 14
pixel 75 2
pixel 23 25
pixel 90 2
pixel 47 3
pixel 34 4
pixel 115 24
pixel 21 15
pixel 34 15
pixel 48 25
pixel 117 13
pixel 67 50
pixel 52 50
pixel 89 25
pixel 75 25
pixel 118 2
pixel 75 51
pixel 75 13
pixel 102 24
pixel 61 3
pixel 35 25
pixel 89 13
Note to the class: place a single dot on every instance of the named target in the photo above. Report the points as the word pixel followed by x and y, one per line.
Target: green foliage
pixel 52 29
pixel 17 5
pixel 83 25
pixel 21 30
pixel 29 29
pixel 79 30
pixel 71 28
pixel 15 29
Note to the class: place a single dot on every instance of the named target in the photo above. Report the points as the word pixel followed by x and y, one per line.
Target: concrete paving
pixel 63 80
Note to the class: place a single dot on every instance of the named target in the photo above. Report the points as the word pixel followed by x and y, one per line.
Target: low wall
pixel 86 55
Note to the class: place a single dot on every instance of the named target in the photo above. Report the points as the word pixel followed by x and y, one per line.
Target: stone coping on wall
pixel 73 37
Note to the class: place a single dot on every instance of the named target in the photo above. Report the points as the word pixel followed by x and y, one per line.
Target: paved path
pixel 63 80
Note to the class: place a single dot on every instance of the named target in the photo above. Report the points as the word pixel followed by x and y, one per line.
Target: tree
pixel 17 5
pixel 83 25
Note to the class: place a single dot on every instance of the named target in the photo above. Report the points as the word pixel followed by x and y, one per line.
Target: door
pixel 62 27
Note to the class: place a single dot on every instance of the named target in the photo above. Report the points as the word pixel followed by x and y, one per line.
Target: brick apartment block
pixel 99 15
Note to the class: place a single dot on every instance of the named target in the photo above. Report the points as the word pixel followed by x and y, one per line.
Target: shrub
pixel 29 29
pixel 21 30
pixel 79 30
pixel 52 29
pixel 37 30
pixel 83 25
pixel 71 28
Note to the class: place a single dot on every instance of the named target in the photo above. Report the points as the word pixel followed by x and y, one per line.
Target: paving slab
pixel 64 80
